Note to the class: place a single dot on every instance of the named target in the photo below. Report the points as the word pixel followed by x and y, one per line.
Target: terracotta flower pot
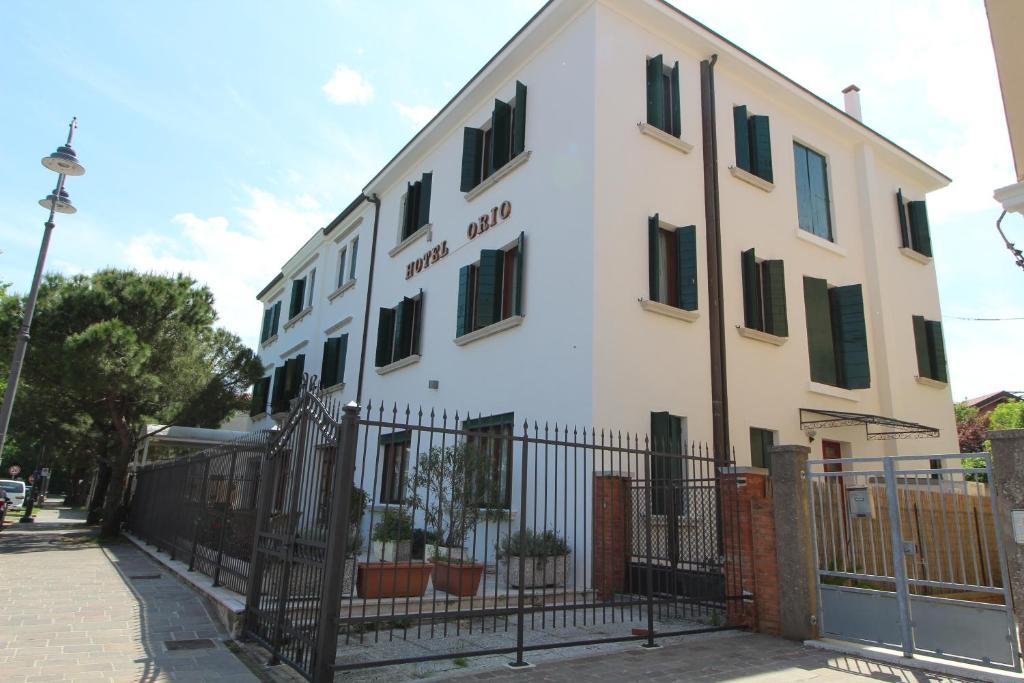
pixel 392 579
pixel 457 578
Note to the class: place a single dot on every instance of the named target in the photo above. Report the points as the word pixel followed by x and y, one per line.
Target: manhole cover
pixel 138 577
pixel 196 644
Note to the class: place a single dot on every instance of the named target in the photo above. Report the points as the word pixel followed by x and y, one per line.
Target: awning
pixel 876 427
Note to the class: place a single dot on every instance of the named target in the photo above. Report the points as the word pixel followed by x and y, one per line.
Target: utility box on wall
pixel 858 501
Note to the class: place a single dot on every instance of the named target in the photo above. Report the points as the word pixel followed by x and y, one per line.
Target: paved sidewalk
pixel 72 609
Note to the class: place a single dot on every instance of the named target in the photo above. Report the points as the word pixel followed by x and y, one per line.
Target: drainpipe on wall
pixel 375 200
pixel 713 234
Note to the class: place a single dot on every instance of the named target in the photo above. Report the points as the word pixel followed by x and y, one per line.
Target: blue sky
pixel 219 135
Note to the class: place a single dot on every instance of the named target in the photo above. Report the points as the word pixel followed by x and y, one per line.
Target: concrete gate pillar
pixel 794 544
pixel 1008 488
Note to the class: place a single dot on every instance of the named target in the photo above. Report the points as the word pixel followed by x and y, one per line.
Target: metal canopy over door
pixel 908 557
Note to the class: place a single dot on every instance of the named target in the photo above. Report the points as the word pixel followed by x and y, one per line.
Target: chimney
pixel 851 101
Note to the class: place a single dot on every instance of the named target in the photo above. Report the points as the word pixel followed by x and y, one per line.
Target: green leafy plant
pixel 395 525
pixel 531 544
pixel 357 505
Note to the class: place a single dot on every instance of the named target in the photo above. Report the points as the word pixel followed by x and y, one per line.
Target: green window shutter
pixel 385 336
pixel 936 350
pixel 519 133
pixel 924 366
pixel 919 233
pixel 851 336
pixel 654 257
pixel 329 364
pixel 277 319
pixel 423 201
pixel 501 121
pixel 757 449
pixel 901 210
pixel 488 287
pixel 817 172
pixel 268 315
pixel 278 404
pixel 655 92
pixel 774 284
pixel 803 188
pixel 761 148
pixel 517 295
pixel 677 115
pixel 472 163
pixel 416 308
pixel 739 124
pixel 464 316
pixel 293 377
pixel 298 294
pixel 752 297
pixel 409 211
pixel 686 267
pixel 259 396
pixel 820 348
pixel 342 354
pixel 402 345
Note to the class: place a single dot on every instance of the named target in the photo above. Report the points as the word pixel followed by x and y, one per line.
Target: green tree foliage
pixel 1008 415
pixel 117 349
pixel 970 428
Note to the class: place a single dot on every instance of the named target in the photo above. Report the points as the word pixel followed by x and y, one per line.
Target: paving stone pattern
pixel 70 611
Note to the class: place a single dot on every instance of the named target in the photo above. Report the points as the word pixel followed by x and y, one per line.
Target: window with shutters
pixel 394 461
pixel 753 143
pixel 837 340
pixel 260 395
pixel 761 442
pixel 812 195
pixel 398 331
pixel 913 222
pixel 668 469
pixel 491 290
pixel 663 110
pixel 342 265
pixel 672 264
pixel 415 206
pixel 296 305
pixel 488 148
pixel 931 349
pixel 287 384
pixel 764 295
pixel 271 321
pixel 492 436
pixel 332 369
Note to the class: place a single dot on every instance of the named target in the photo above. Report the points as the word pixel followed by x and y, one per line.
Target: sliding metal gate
pixel 908 556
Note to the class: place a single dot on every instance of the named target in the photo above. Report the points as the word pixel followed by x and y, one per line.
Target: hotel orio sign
pixel 497 215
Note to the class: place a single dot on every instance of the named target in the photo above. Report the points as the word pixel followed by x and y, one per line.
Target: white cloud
pixel 417 114
pixel 347 86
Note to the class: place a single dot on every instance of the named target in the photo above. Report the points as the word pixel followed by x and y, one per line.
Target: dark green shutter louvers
pixel 385 336
pixel 924 367
pixel 464 315
pixel 919 233
pixel 739 124
pixel 404 319
pixel 259 396
pixel 752 314
pixel 820 349
pixel 501 121
pixel 488 287
pixel 423 201
pixel 298 293
pixel 277 319
pixel 686 267
pixel 329 364
pixel 817 172
pixel 654 257
pixel 519 132
pixel 517 302
pixel 761 148
pixel 936 350
pixel 342 354
pixel 472 150
pixel 852 338
pixel 774 282
pixel 417 319
pixel 901 210
pixel 655 92
pixel 278 403
pixel 409 212
pixel 805 215
pixel 265 329
pixel 677 115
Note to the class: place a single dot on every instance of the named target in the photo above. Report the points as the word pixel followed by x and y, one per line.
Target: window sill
pixel 766 337
pixel 427 230
pixel 834 392
pixel 663 137
pixel 268 342
pixel 748 177
pixel 929 382
pixel 820 242
pixel 493 328
pixel 333 389
pixel 915 256
pixel 298 316
pixel 493 179
pixel 399 364
pixel 669 311
pixel 341 290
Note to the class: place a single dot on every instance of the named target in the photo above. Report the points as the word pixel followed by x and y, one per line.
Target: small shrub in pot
pixel 546 556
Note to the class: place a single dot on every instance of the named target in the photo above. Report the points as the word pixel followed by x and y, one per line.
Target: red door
pixel 832 450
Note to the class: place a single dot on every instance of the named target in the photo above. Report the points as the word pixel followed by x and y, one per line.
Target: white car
pixel 15 493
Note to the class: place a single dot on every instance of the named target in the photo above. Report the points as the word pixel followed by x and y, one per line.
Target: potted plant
pixel 394 575
pixel 546 557
pixel 454 486
pixel 393 536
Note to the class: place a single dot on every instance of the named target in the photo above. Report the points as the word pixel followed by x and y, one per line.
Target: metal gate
pixel 908 557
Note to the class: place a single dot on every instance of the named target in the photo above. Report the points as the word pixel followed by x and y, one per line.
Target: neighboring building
pixel 1005 19
pixel 989 402
pixel 624 220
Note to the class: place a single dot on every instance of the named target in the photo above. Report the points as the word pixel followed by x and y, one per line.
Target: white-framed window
pixel 342 264
pixel 311 280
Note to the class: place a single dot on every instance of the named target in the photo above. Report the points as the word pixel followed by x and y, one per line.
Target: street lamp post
pixel 64 163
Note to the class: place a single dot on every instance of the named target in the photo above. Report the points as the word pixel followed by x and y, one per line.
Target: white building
pixel 624 220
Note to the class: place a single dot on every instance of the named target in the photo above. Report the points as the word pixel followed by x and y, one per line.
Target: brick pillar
pixel 1008 488
pixel 794 546
pixel 613 532
pixel 743 498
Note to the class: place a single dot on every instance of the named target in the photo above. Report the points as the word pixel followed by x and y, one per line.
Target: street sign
pixel 14 470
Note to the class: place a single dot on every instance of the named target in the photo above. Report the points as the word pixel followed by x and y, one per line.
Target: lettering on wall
pixel 498 214
pixel 430 257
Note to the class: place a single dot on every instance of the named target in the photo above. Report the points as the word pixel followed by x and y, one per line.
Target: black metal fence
pixel 387 536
